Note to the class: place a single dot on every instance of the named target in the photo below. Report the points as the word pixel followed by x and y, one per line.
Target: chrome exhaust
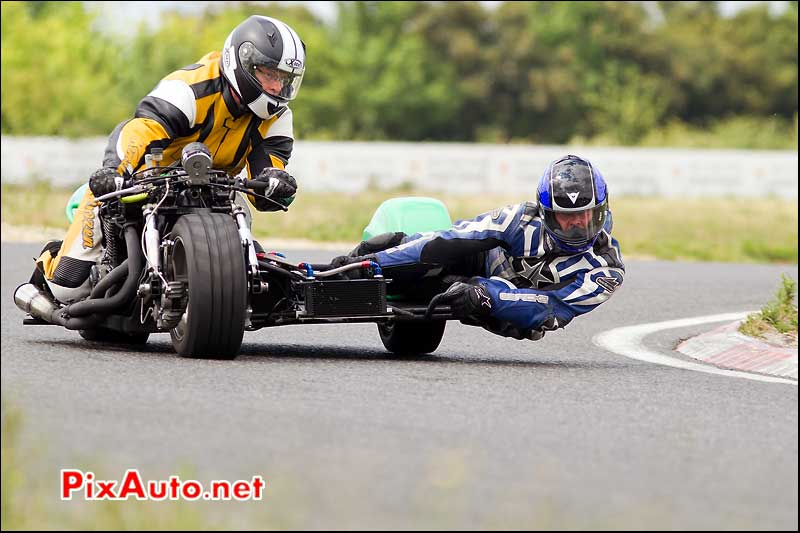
pixel 33 301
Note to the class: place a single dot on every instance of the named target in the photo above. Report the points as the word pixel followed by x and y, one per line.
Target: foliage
pixel 731 132
pixel 779 315
pixel 57 73
pixel 631 73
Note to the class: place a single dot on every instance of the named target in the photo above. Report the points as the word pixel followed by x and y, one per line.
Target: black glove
pixel 354 273
pixel 379 243
pixel 103 181
pixel 468 300
pixel 281 185
pixel 507 329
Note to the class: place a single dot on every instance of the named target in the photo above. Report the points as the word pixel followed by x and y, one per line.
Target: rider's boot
pixel 48 253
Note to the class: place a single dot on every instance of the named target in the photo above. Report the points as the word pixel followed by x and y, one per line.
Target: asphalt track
pixel 486 433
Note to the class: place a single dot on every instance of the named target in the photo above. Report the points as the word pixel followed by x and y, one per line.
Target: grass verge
pixel 778 317
pixel 719 229
pixel 446 496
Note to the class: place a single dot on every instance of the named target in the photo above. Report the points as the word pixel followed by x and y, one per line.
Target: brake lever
pixel 254 185
pixel 250 191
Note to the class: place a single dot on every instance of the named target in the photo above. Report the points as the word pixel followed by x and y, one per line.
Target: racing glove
pixel 354 273
pixel 281 186
pixel 506 329
pixel 104 180
pixel 468 300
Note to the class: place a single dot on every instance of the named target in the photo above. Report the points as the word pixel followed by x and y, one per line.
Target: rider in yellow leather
pixel 234 101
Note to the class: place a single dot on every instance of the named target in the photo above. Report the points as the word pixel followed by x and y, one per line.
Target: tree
pixel 57 76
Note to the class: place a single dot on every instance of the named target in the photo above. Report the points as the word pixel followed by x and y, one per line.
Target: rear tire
pixel 412 338
pixel 208 256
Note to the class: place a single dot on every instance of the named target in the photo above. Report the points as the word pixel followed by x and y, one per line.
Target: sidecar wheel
pixel 412 338
pixel 208 257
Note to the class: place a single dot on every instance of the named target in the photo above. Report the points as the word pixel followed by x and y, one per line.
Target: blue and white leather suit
pixel 534 286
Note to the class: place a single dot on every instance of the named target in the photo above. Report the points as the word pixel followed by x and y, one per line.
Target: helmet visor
pixel 271 77
pixel 575 227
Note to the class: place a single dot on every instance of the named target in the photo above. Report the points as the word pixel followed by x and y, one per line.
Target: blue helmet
pixel 573 203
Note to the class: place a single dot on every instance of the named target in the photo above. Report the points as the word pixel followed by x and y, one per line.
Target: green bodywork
pixel 409 215
pixel 75 201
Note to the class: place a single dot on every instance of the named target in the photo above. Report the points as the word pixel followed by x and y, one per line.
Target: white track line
pixel 627 341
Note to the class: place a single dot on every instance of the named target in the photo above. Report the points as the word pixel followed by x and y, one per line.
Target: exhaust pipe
pixel 88 313
pixel 33 301
pixel 135 264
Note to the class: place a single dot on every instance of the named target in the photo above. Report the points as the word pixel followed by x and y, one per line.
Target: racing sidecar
pixel 179 295
pixel 406 322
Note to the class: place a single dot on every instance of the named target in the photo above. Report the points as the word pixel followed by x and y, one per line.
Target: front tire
pixel 412 338
pixel 208 257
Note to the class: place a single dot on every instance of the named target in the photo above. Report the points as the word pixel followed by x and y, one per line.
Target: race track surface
pixel 486 433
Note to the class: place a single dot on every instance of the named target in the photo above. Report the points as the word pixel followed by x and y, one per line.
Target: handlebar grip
pixel 256 185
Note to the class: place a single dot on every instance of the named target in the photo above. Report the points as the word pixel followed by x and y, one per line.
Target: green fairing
pixel 75 201
pixel 409 215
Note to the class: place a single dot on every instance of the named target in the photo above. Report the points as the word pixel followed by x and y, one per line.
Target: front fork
pixel 256 284
pixel 168 310
pixel 172 303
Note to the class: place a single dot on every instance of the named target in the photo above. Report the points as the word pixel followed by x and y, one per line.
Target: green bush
pixel 744 132
pixel 778 315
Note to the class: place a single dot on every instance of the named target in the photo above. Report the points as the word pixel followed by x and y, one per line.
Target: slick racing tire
pixel 412 338
pixel 114 337
pixel 208 256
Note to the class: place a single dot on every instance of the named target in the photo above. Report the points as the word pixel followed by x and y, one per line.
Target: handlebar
pixel 256 185
pixel 132 185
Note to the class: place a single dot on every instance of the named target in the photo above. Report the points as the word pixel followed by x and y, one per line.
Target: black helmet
pixel 573 203
pixel 272 47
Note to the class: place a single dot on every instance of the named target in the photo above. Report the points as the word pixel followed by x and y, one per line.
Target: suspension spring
pixel 112 242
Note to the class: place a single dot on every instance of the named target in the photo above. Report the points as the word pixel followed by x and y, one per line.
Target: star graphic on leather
pixel 483 298
pixel 536 273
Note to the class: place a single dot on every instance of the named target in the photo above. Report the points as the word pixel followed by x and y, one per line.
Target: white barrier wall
pixel 460 168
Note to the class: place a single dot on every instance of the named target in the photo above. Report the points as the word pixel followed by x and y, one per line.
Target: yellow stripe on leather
pixel 136 136
pixel 78 231
pixel 277 163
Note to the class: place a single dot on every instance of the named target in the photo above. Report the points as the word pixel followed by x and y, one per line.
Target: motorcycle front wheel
pixel 207 255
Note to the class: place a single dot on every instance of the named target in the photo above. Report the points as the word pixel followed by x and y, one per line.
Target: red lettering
pixel 106 489
pixel 191 490
pixel 153 488
pixel 258 484
pixel 219 487
pixel 174 484
pixel 132 483
pixel 71 480
pixel 241 490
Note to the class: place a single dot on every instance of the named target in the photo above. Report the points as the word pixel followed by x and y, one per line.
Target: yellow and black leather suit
pixel 192 104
